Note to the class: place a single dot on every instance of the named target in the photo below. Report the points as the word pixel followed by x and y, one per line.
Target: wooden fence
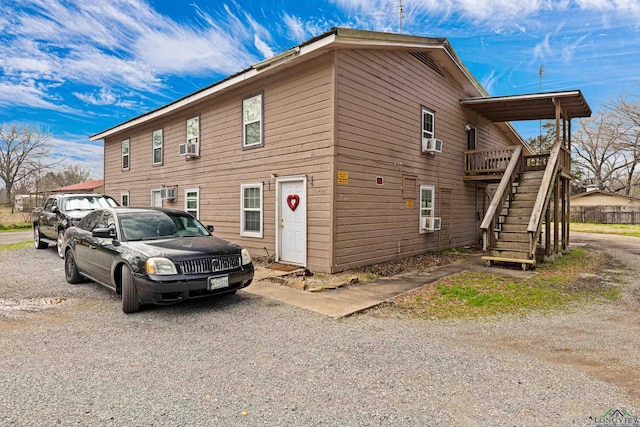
pixel 606 214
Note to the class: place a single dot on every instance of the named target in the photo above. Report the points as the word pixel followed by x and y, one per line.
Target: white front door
pixel 156 199
pixel 292 221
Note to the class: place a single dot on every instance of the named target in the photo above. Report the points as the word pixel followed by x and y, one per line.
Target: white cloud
pixel 120 43
pixel 264 49
pixel 30 94
pixel 104 97
pixel 73 150
pixel 295 27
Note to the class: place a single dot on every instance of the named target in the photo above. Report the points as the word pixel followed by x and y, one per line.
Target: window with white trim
pixel 124 199
pixel 251 210
pixel 252 121
pixel 125 155
pixel 427 202
pixel 156 141
pixel 192 201
pixel 193 135
pixel 428 123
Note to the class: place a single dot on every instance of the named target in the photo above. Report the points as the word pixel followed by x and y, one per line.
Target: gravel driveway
pixel 69 356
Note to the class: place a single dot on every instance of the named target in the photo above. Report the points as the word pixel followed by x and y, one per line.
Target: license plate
pixel 218 283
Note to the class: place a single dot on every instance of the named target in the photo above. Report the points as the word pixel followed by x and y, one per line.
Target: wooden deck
pixel 490 165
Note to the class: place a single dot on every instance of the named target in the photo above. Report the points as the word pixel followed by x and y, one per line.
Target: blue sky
pixel 77 67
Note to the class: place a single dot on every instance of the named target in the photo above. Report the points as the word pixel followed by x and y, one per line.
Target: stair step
pixel 526 198
pixel 512 246
pixel 513 236
pixel 539 173
pixel 516 210
pixel 509 253
pixel 514 228
pixel 518 219
pixel 527 190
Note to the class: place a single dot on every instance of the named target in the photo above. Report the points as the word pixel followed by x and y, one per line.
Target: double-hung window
pixel 251 210
pixel 428 123
pixel 252 121
pixel 427 204
pixel 124 199
pixel 156 141
pixel 125 155
pixel 192 146
pixel 192 201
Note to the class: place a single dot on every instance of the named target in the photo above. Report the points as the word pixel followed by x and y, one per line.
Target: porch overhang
pixel 537 106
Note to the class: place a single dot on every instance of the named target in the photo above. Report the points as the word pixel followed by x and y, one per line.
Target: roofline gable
pixel 335 38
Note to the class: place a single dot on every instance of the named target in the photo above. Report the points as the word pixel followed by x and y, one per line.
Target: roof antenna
pixel 401 15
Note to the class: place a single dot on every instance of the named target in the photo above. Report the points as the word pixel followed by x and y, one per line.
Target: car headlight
pixel 246 258
pixel 160 266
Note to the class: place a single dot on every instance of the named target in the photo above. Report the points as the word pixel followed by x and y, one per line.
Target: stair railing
pixel 505 188
pixel 544 196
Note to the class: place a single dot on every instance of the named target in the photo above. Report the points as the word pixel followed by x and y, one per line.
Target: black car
pixel 61 211
pixel 153 256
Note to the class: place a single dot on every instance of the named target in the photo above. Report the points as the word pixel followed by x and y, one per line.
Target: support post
pixel 556 217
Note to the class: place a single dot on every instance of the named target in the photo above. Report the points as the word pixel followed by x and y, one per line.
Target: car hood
pixel 185 247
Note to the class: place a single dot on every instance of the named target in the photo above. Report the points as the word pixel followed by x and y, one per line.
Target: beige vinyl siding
pixel 298 137
pixel 379 99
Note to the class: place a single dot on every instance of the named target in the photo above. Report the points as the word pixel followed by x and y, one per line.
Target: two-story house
pixel 352 148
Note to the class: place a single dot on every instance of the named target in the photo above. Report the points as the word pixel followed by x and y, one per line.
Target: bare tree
pixel 72 174
pixel 23 153
pixel 628 112
pixel 598 146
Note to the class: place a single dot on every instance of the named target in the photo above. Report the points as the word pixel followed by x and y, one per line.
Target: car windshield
pixel 88 203
pixel 160 225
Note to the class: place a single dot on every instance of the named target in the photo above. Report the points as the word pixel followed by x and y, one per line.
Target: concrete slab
pixel 351 299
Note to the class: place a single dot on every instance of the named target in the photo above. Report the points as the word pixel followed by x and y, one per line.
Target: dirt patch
pixel 318 282
pixel 12 308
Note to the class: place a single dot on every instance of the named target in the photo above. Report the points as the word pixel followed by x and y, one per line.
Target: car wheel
pixel 71 272
pixel 60 244
pixel 39 244
pixel 130 301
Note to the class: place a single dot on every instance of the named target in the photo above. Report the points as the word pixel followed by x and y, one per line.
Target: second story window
pixel 157 146
pixel 252 121
pixel 428 123
pixel 125 155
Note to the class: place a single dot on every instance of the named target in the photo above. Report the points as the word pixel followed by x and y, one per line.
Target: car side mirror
pixel 104 233
pixel 210 228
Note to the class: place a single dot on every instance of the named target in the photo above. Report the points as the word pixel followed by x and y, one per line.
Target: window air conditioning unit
pixel 431 145
pixel 430 224
pixel 168 193
pixel 189 149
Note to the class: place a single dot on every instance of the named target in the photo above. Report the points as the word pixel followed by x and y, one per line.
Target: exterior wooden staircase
pixel 511 235
pixel 523 202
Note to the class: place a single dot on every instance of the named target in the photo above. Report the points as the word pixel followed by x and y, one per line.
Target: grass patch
pixel 556 285
pixel 621 229
pixel 20 226
pixel 15 246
